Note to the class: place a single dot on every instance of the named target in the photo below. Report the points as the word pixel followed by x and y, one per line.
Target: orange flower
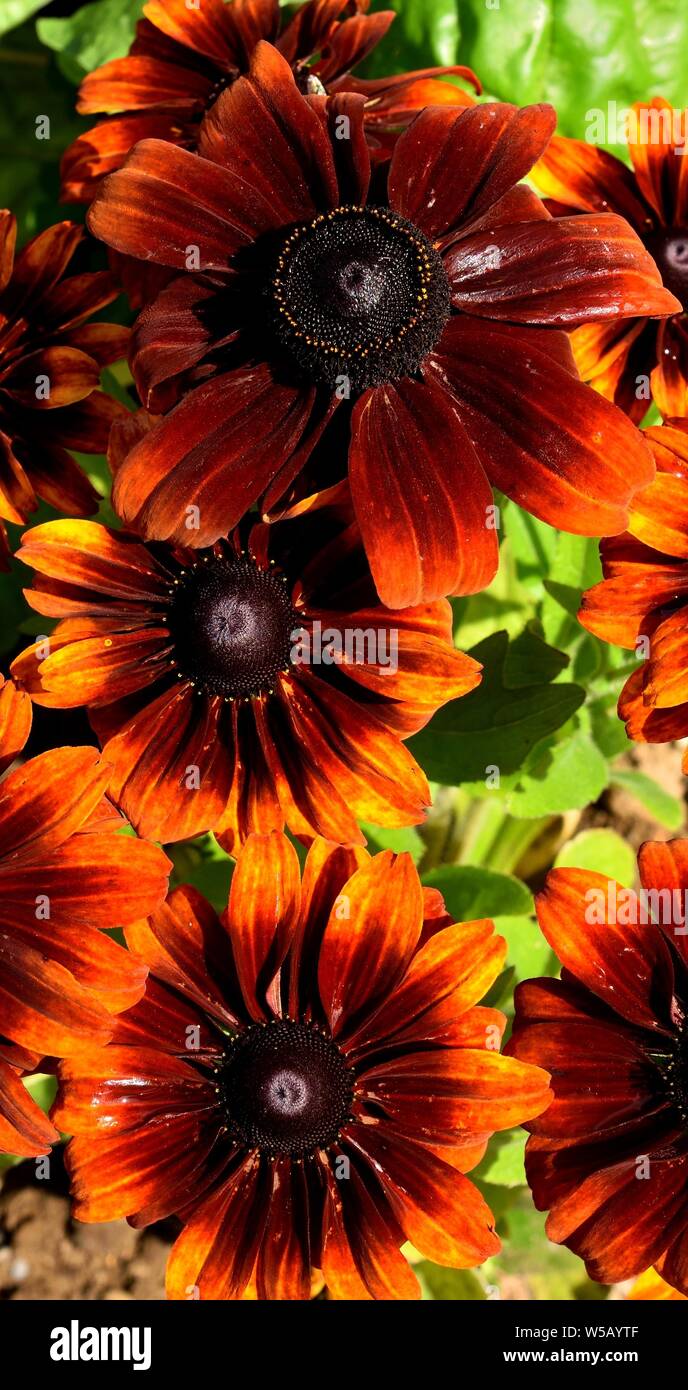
pixel 644 595
pixel 207 685
pixel 609 1158
pixel 64 873
pixel 305 1082
pixel 653 197
pixel 50 365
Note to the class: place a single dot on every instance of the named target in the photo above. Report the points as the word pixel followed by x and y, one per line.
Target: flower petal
pixel 553 445
pixel 582 915
pixel 422 500
pixel 439 1210
pixel 370 938
pixel 263 910
pixel 24 1130
pixel 221 447
pixel 494 145
pixel 561 272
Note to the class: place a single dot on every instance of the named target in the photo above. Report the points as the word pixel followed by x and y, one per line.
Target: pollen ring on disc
pixel 358 293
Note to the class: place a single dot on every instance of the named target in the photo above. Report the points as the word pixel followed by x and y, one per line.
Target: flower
pixel 609 1158
pixel 50 364
pixel 184 56
pixel 620 358
pixel 305 1082
pixel 406 322
pixel 250 684
pixel 642 601
pixel 64 873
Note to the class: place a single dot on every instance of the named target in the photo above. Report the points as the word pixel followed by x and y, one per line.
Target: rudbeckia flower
pixel 410 323
pixel 642 602
pixel 184 56
pixel 609 1158
pixel 619 358
pixel 305 1083
pixel 64 873
pixel 50 365
pixel 255 683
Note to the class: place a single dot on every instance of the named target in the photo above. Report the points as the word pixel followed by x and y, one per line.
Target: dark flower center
pixel 286 1088
pixel 669 248
pixel 232 625
pixel 360 294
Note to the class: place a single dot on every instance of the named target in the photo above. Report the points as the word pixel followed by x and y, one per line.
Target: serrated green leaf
pixel 560 777
pixel 494 726
pixel 664 807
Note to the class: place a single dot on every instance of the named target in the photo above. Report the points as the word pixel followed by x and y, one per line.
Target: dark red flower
pixel 65 872
pixel 609 1158
pixel 434 302
pixel 653 196
pixel 212 711
pixel 642 602
pixel 50 365
pixel 184 56
pixel 305 1082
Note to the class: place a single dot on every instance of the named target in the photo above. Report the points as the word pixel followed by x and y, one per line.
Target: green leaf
pixel 471 893
pixel 560 777
pixel 457 1285
pixel 423 27
pixel 93 35
pixel 530 659
pixel 494 726
pixel 503 1163
pixel 578 54
pixel 603 852
pixel 528 953
pixel 205 866
pixel 663 807
pixel 42 1088
pixel 406 840
pixel 30 147
pixel 533 543
pixel 14 12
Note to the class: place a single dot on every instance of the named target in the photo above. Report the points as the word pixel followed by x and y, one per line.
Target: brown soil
pixel 44 1254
